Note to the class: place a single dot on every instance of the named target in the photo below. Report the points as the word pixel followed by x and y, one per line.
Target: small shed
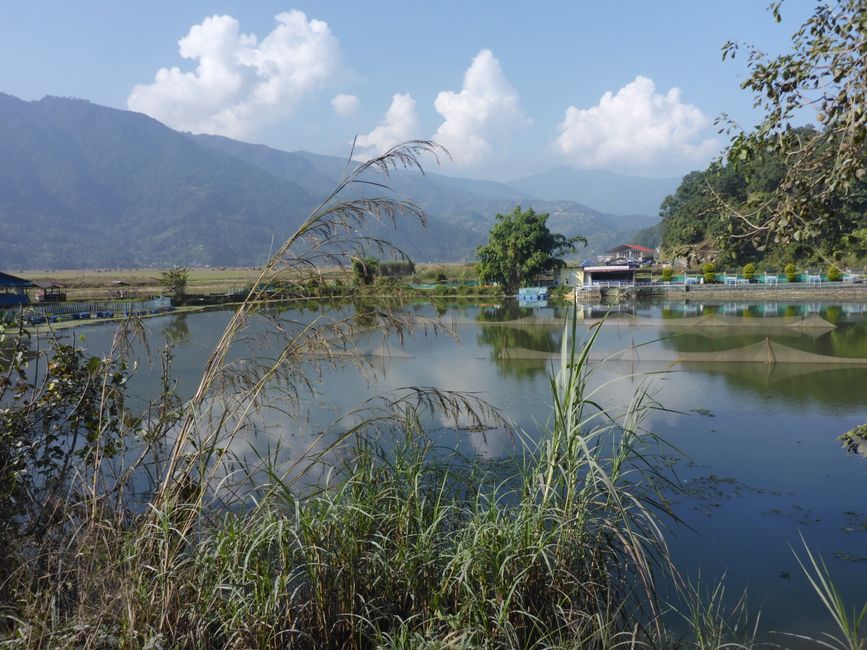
pixel 50 293
pixel 120 290
pixel 13 290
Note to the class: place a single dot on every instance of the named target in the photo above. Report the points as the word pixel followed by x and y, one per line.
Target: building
pixel 606 275
pixel 13 291
pixel 629 253
pixel 50 293
pixel 590 272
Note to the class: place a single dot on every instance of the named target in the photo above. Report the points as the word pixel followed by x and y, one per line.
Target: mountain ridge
pixel 83 186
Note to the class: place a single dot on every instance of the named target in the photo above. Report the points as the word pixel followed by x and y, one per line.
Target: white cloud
pixel 240 84
pixel 480 118
pixel 636 128
pixel 345 105
pixel 400 124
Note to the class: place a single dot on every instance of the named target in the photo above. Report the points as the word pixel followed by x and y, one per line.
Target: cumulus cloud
pixel 240 84
pixel 400 124
pixel 636 128
pixel 345 105
pixel 480 118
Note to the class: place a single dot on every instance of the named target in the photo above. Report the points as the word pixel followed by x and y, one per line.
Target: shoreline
pixel 743 293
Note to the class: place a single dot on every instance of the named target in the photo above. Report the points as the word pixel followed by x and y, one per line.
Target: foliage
pixel 834 274
pixel 854 439
pixel 667 274
pixel 174 282
pixel 850 624
pixel 520 246
pixel 791 272
pixel 820 197
pixel 749 271
pixel 364 269
pixel 709 271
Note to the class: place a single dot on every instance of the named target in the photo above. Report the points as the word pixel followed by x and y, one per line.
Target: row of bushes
pixel 709 271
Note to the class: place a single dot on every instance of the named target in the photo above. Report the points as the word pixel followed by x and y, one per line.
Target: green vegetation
pixel 749 271
pixel 834 274
pixel 130 526
pixel 791 272
pixel 364 270
pixel 783 192
pixel 820 196
pixel 174 282
pixel 709 271
pixel 520 246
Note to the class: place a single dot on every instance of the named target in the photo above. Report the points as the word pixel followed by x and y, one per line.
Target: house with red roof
pixel 629 253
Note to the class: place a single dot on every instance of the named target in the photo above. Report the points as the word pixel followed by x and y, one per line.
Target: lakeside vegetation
pixel 142 528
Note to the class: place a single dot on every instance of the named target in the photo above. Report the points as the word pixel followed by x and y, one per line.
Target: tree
pixel 820 198
pixel 174 282
pixel 519 247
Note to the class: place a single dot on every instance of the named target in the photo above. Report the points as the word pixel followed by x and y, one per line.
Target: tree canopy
pixel 820 196
pixel 520 246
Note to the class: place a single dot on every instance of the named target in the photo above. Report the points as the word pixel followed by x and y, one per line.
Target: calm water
pixel 760 462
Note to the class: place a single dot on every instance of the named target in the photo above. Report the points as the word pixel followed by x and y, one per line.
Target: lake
pixel 756 444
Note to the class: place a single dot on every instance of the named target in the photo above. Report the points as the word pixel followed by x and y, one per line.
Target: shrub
pixel 750 271
pixel 667 274
pixel 791 272
pixel 834 274
pixel 364 269
pixel 174 282
pixel 709 271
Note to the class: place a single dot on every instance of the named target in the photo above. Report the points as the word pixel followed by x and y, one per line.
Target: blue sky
pixel 511 88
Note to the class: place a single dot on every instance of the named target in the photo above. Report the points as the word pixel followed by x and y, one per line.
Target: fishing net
pixel 766 351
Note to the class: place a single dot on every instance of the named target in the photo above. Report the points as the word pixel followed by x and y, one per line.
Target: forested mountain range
pixel 700 214
pixel 85 186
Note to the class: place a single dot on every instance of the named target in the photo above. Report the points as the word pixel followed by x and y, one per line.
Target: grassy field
pixel 95 284
pixel 99 283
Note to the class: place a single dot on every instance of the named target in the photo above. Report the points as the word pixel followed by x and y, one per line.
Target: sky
pixel 509 88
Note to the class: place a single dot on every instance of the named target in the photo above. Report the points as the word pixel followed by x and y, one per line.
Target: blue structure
pixel 533 297
pixel 13 291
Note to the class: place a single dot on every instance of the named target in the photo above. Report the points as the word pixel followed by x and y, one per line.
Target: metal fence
pixel 117 307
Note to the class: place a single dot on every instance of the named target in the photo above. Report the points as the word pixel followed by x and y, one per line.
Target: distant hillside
pixel 467 204
pixel 82 186
pixel 603 190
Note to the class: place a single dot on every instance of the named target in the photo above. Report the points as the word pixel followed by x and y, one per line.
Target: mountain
pixel 603 190
pixel 83 185
pixel 468 204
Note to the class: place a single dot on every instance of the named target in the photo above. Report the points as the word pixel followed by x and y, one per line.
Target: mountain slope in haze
pixel 467 204
pixel 83 186
pixel 605 191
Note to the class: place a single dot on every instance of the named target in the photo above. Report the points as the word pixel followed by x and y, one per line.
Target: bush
pixel 791 272
pixel 364 269
pixel 709 271
pixel 750 271
pixel 667 274
pixel 834 274
pixel 174 282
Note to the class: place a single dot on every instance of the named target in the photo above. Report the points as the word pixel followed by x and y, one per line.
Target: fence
pixel 117 307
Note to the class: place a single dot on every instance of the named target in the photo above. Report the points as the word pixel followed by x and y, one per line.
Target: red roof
pixel 634 247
